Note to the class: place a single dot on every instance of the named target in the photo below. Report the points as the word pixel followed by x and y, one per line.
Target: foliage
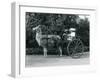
pixel 55 24
pixel 83 31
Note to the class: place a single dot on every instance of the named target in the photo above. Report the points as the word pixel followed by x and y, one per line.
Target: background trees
pixel 55 23
pixel 83 31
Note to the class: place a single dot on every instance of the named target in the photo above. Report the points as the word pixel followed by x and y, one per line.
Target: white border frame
pixel 18 40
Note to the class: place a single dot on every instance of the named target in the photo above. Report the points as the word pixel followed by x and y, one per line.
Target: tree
pixel 53 23
pixel 83 30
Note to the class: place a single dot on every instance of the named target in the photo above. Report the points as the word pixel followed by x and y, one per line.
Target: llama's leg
pixel 45 51
pixel 60 51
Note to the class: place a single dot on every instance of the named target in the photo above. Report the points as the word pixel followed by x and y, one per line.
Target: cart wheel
pixel 75 48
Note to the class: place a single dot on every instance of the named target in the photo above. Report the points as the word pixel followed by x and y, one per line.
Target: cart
pixel 70 42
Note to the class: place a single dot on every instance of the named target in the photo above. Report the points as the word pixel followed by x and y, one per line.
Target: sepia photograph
pixel 52 40
pixel 56 39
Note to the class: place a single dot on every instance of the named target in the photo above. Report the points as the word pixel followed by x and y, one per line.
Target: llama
pixel 39 38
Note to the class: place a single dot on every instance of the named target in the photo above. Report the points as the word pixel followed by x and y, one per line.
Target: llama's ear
pixel 33 29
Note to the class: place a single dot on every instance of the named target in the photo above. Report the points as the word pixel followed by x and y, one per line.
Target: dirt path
pixel 54 60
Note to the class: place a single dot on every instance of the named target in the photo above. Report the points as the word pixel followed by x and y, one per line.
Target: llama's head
pixel 37 29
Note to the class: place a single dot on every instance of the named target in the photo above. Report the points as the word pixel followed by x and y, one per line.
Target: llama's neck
pixel 38 37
